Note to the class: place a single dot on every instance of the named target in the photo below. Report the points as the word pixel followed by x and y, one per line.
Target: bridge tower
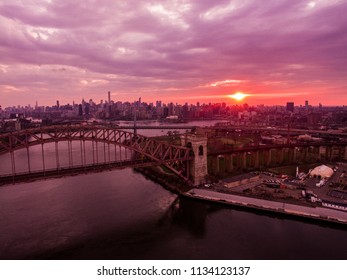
pixel 198 166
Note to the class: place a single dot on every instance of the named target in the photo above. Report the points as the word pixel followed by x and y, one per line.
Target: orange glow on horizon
pixel 238 96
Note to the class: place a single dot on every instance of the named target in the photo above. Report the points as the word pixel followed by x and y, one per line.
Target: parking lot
pixel 281 186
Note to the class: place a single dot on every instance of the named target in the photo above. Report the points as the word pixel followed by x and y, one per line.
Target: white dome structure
pixel 323 171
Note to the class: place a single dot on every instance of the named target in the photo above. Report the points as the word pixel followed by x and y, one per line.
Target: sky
pixel 178 50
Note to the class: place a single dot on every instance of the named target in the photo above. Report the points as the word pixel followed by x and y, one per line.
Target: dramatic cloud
pixel 272 50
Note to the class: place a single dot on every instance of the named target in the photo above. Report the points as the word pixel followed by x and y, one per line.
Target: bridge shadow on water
pixel 186 230
pixel 39 175
pixel 141 241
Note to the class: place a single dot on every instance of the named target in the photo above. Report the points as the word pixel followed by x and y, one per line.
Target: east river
pixel 120 214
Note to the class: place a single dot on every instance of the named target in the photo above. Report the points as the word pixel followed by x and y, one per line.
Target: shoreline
pixel 314 213
pixel 160 178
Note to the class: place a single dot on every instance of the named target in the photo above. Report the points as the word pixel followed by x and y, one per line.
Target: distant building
pixel 171 108
pixel 109 111
pixel 290 106
pixel 87 108
pixel 314 118
pixel 165 112
pixel 80 110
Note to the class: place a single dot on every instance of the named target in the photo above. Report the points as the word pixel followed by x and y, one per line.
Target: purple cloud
pixel 155 49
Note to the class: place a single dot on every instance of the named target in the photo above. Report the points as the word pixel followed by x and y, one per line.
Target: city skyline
pixel 108 100
pixel 174 51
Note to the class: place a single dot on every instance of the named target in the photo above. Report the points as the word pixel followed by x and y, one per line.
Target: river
pixel 120 214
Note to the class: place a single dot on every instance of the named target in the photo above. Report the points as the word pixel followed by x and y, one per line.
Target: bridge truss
pixel 144 151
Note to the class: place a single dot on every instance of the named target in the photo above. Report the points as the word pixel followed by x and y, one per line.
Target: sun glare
pixel 238 96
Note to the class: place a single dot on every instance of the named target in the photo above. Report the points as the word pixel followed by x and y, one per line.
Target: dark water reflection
pixel 121 215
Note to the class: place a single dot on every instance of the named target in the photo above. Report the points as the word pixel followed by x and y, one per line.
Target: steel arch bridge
pixel 148 151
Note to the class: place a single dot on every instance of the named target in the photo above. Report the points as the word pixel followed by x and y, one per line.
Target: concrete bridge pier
pixel 319 154
pixel 221 164
pixel 268 162
pixel 256 160
pixel 289 155
pixel 229 163
pixel 341 153
pixel 316 154
pixel 313 151
pixel 328 153
pixel 305 152
pixel 244 160
pixel 218 165
pixel 281 154
pixel 215 166
pixel 331 153
pixel 295 154
pixel 309 157
pixel 198 166
pixel 322 152
pixel 239 160
pixel 334 153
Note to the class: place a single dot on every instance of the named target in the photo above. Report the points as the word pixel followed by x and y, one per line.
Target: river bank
pixel 316 213
pixel 167 180
pixel 173 184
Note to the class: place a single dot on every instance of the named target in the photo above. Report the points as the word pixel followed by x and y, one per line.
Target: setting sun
pixel 238 96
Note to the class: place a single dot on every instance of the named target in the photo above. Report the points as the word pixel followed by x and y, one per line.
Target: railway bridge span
pixel 119 149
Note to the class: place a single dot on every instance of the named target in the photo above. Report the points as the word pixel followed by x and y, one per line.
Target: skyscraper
pixel 80 110
pixel 290 106
pixel 86 109
pixel 109 104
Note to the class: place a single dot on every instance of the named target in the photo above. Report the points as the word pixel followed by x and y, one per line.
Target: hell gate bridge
pixel 76 149
pixel 120 149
